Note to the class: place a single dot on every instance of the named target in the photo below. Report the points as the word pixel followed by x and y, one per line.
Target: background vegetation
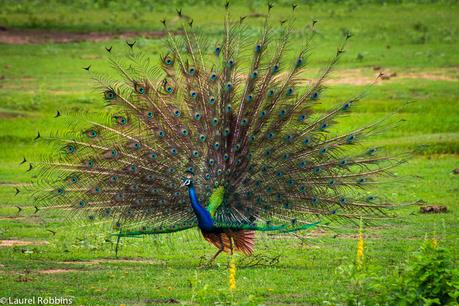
pixel 416 42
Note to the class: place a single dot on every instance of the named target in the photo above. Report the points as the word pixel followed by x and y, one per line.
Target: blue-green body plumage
pixel 205 221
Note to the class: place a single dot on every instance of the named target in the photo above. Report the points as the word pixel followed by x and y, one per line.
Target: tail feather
pixel 232 240
pixel 234 113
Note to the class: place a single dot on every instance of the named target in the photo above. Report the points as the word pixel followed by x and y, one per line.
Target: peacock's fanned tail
pixel 236 113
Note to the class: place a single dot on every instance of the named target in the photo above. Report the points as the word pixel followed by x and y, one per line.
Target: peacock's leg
pixel 117 244
pixel 231 245
pixel 220 249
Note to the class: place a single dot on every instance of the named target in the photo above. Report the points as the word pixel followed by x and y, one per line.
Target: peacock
pixel 219 134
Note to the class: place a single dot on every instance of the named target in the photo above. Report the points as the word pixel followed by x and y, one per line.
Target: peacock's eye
pixel 141 90
pixel 122 120
pixel 91 134
pixel 299 62
pixel 153 156
pixel 109 95
pixel 71 149
pixel 169 61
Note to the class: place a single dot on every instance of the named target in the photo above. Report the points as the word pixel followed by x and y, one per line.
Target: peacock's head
pixel 188 180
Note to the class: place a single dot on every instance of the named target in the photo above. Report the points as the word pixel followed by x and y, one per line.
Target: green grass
pixel 40 79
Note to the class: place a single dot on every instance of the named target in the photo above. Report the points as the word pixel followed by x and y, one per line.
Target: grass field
pixel 416 41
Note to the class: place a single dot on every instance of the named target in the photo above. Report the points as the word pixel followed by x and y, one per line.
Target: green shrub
pixel 428 277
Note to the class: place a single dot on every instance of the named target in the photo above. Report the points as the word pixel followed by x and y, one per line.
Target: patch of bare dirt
pixel 362 77
pixel 57 271
pixel 12 243
pixel 11 115
pixel 428 76
pixel 113 260
pixel 11 217
pixel 351 77
pixel 33 36
pixel 428 209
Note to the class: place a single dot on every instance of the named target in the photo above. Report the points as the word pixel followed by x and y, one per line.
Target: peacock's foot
pixel 206 263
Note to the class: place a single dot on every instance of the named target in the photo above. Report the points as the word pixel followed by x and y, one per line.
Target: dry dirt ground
pixel 28 36
pixel 11 243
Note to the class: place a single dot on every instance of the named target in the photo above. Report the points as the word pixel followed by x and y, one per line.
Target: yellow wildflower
pixel 360 247
pixel 232 273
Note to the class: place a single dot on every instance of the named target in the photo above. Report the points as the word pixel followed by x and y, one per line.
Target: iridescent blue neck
pixel 205 221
